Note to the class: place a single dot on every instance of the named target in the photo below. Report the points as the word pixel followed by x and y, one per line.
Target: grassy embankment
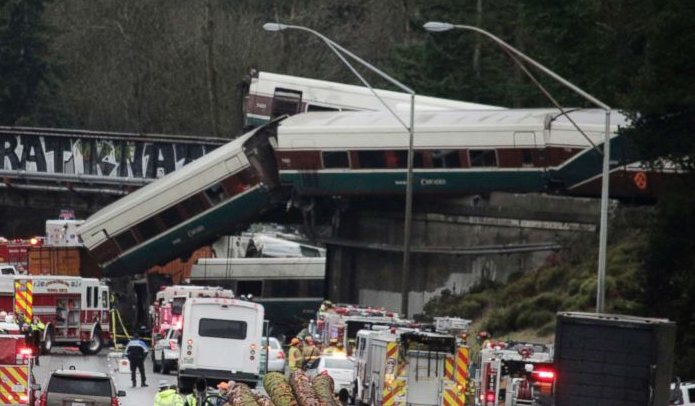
pixel 524 308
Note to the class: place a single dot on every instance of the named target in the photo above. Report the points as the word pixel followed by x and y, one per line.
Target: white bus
pixel 220 341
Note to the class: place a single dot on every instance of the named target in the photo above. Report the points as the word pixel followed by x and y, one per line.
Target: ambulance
pixel 400 366
pixel 74 310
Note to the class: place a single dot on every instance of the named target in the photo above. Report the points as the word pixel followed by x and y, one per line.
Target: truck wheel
pixel 155 366
pixel 48 342
pixel 185 384
pixel 94 345
pixel 165 365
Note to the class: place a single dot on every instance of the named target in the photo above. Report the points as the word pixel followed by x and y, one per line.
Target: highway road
pixel 67 357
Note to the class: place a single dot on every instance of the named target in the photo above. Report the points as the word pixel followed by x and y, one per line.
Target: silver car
pixel 341 369
pixel 165 352
pixel 275 354
pixel 79 388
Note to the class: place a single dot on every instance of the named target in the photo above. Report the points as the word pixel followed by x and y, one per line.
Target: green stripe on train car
pixel 206 227
pixel 435 182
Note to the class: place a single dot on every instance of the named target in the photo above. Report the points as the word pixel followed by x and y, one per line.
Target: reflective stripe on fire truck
pixel 24 298
pixel 455 378
pixel 394 378
pixel 13 385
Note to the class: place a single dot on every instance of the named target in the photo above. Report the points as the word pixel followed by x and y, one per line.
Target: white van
pixel 221 340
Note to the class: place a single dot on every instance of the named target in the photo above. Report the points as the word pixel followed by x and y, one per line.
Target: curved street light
pixel 435 26
pixel 341 52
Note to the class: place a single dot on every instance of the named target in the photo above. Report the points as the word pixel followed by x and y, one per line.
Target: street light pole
pixel 407 227
pixel 605 180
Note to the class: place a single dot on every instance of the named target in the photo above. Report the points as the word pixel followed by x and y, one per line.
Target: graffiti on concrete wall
pixel 101 157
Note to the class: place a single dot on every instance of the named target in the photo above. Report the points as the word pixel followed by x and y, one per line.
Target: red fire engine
pixel 16 378
pixel 74 310
pixel 513 373
pixel 167 310
pixel 16 252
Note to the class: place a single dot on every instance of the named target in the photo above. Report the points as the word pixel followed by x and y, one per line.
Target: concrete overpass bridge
pixel 46 169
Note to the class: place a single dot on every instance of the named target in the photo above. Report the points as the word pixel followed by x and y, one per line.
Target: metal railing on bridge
pixel 49 159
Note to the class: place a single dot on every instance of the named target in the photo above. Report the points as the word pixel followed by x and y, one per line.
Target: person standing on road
pixel 166 395
pixel 37 328
pixel 309 353
pixel 136 352
pixel 296 360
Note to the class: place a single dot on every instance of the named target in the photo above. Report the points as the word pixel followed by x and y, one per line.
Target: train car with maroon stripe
pixel 460 152
pixel 193 206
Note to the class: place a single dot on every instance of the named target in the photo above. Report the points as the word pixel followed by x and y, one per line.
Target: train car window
pixel 286 101
pixel 216 194
pixel 105 251
pixel 483 157
pixel 236 184
pixel 335 159
pixel 314 288
pixel 314 107
pixel 446 158
pixel 526 157
pixel 148 228
pixel 249 287
pixel 286 288
pixel 402 159
pixel 125 240
pixel 194 205
pixel 371 159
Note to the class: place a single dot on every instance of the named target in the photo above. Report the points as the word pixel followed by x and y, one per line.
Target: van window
pixel 233 329
pixel 89 296
pixel 96 297
pixel 104 299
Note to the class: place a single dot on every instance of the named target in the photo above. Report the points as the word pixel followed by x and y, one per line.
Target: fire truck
pixel 74 310
pixel 16 252
pixel 515 373
pixel 167 310
pixel 397 366
pixel 16 377
pixel 342 322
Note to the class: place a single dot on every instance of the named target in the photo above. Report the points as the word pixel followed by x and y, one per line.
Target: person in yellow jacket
pixel 310 353
pixel 37 328
pixel 167 396
pixel 296 360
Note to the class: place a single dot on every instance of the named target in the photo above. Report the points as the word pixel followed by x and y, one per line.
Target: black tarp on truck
pixel 612 360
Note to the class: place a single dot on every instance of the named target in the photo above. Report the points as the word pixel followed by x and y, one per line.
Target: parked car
pixel 73 387
pixel 276 355
pixel 683 394
pixel 165 352
pixel 341 369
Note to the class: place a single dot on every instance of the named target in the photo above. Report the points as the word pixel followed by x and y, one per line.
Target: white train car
pixel 272 95
pixel 463 151
pixel 178 213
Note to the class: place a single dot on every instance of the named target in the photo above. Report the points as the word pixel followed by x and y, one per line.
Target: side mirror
pixel 120 393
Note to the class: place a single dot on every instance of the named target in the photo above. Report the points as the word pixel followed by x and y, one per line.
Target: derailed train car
pixel 186 209
pixel 458 152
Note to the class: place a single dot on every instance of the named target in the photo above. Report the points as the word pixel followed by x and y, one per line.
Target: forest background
pixel 175 67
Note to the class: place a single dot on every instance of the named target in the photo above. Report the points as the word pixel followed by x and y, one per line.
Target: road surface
pixel 66 357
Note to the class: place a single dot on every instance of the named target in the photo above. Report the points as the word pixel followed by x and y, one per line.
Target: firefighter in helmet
pixel 332 347
pixel 310 353
pixel 484 339
pixel 296 361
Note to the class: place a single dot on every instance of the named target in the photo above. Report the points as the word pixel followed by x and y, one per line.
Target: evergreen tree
pixel 24 66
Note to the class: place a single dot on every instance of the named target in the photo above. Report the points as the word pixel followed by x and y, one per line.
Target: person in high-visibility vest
pixel 37 328
pixel 167 396
pixel 296 361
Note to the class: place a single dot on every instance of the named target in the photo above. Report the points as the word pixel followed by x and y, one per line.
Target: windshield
pixel 72 385
pixel 339 363
pixel 177 305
